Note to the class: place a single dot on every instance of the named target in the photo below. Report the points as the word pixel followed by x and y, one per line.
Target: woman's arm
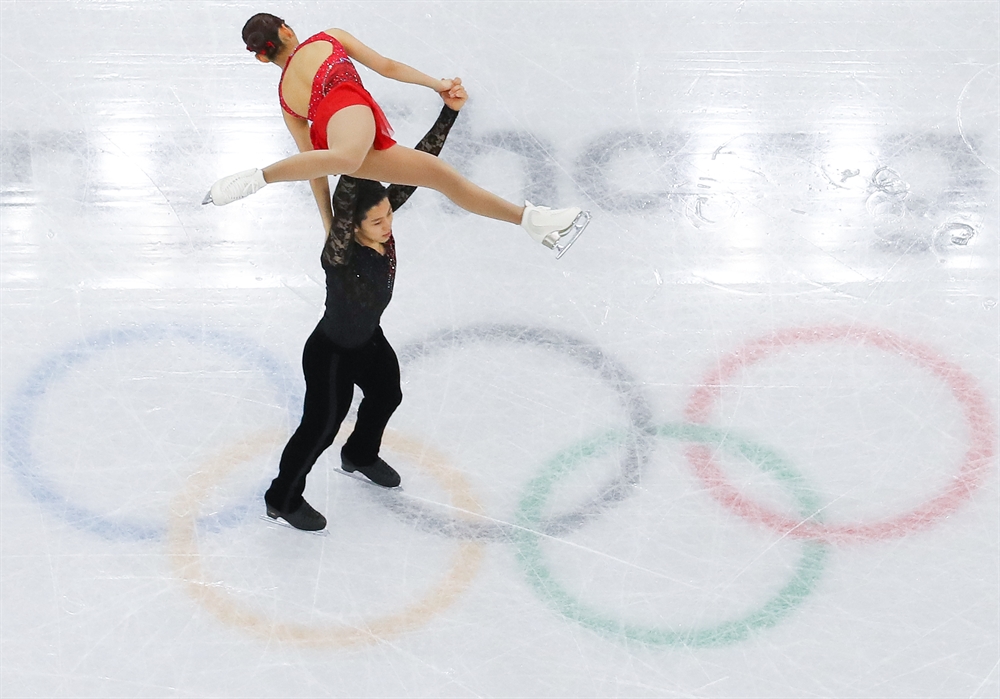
pixel 299 128
pixel 337 250
pixel 386 67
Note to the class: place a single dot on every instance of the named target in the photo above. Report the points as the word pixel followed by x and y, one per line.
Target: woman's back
pixel 320 54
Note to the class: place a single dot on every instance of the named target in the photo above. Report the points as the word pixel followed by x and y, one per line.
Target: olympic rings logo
pixel 530 529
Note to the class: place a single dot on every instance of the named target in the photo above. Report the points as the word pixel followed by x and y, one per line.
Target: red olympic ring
pixel 963 387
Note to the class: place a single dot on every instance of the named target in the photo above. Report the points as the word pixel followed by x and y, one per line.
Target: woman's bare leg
pixel 348 132
pixel 405 166
pixel 350 135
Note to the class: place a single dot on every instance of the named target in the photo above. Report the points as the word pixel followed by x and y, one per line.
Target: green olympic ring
pixel 793 593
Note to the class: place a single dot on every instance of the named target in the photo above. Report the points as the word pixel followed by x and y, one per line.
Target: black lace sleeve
pixel 337 250
pixel 431 143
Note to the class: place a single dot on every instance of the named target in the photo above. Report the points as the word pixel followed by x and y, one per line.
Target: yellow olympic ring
pixel 185 557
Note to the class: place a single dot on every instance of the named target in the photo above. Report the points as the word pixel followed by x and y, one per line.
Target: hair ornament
pixel 267 47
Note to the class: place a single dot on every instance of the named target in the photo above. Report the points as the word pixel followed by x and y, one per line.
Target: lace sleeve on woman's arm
pixel 337 250
pixel 432 142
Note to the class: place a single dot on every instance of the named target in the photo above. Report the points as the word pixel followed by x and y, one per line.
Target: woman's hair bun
pixel 260 34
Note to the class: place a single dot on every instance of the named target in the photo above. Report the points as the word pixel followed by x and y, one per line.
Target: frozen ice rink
pixel 741 441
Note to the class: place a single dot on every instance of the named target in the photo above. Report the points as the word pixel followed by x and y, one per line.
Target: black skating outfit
pixel 348 348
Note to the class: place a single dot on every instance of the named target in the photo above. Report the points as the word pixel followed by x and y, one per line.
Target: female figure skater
pixel 348 347
pixel 349 134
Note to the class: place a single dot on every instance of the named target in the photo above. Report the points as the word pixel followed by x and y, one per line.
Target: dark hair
pixel 370 195
pixel 260 34
pixel 366 194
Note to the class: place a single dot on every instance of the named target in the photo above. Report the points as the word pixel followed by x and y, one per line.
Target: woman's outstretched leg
pixel 350 134
pixel 405 166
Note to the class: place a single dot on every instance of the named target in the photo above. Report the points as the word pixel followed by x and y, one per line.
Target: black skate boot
pixel 304 518
pixel 378 472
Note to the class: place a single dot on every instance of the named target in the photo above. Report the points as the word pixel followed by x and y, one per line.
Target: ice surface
pixel 739 442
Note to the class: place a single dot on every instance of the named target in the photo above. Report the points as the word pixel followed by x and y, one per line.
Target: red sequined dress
pixel 336 85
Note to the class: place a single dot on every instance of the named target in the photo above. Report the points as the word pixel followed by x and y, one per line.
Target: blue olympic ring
pixel 19 421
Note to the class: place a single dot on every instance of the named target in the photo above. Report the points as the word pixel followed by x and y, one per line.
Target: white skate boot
pixel 557 229
pixel 234 187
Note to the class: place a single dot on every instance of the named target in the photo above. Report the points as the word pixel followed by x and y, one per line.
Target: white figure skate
pixel 235 187
pixel 556 229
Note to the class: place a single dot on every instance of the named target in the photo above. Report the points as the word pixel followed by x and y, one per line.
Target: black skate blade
pixel 364 479
pixel 580 224
pixel 286 525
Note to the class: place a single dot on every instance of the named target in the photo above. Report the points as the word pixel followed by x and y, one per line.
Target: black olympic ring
pixel 639 436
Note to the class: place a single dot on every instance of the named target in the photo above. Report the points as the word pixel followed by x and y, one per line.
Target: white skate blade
pixel 207 199
pixel 364 479
pixel 569 236
pixel 286 525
